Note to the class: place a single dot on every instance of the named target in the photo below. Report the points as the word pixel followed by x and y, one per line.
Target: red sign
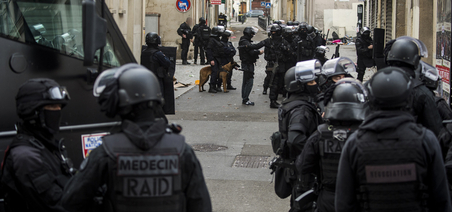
pixel 215 2
pixel 183 5
pixel 444 72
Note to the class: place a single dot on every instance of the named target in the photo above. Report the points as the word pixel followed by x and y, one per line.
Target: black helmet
pixel 249 31
pixel 31 99
pixel 36 93
pixel 297 76
pixel 120 88
pixel 153 38
pixel 430 76
pixel 403 52
pixel 390 88
pixel 227 33
pixel 338 66
pixel 309 29
pixel 216 31
pixel 276 29
pixel 296 23
pixel 202 20
pixel 322 50
pixel 365 31
pixel 348 101
pixel 303 27
pixel 289 23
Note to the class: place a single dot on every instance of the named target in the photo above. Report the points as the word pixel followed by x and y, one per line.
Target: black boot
pixel 274 104
pixel 218 88
pixel 194 62
pixel 231 88
pixel 264 92
pixel 212 89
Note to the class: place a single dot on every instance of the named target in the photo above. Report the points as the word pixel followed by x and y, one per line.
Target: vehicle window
pixel 56 25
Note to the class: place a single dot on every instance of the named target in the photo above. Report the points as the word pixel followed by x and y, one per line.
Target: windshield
pixel 56 25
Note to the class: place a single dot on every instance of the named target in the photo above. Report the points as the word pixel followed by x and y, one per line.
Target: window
pixel 56 25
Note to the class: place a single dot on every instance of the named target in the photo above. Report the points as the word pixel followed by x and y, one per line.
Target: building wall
pixel 415 18
pixel 341 21
pixel 129 16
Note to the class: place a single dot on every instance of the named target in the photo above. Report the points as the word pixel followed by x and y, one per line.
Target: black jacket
pixel 362 48
pixel 277 49
pixel 34 176
pixel 184 29
pixel 215 49
pixel 425 109
pixel 94 173
pixel 249 53
pixel 309 162
pixel 301 122
pixel 381 123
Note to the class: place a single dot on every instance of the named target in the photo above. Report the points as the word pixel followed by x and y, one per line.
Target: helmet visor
pixel 423 51
pixel 306 71
pixel 430 72
pixel 341 65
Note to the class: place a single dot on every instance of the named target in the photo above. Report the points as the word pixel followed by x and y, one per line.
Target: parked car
pixel 255 13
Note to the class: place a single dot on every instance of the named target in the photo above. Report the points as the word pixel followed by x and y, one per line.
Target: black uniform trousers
pixel 248 80
pixel 277 83
pixel 361 69
pixel 185 46
pixel 215 71
pixel 199 48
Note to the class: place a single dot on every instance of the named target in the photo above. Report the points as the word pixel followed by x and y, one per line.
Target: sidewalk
pixel 186 74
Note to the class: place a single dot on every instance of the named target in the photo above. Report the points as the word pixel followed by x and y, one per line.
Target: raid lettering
pixel 148 175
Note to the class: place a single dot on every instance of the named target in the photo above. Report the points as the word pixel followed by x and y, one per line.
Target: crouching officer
pixel 345 111
pixel 391 163
pixel 35 167
pixel 145 167
pixel 298 119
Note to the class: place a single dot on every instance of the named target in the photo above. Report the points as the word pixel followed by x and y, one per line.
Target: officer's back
pixel 391 163
pixel 145 167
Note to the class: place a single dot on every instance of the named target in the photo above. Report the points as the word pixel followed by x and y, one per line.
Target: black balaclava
pixel 52 119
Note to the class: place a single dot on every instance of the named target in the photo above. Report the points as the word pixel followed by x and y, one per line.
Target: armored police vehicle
pixel 71 42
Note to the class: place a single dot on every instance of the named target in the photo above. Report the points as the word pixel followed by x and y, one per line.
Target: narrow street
pixel 213 121
pixel 220 121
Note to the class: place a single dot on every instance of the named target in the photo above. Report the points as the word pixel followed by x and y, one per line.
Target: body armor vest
pixel 284 115
pixel 148 61
pixel 390 167
pixel 218 51
pixel 146 180
pixel 332 141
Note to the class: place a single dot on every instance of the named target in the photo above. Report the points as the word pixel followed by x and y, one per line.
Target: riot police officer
pixel 364 49
pixel 333 71
pixel 406 53
pixel 35 168
pixel 158 62
pixel 391 163
pixel 215 51
pixel 197 32
pixel 320 52
pixel 277 52
pixel 229 51
pixel 184 31
pixel 249 53
pixel 147 165
pixel 298 119
pixel 345 111
pixel 305 43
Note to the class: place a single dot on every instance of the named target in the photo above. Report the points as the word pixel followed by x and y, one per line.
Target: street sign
pixel 183 5
pixel 262 3
pixel 215 2
pixel 268 5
